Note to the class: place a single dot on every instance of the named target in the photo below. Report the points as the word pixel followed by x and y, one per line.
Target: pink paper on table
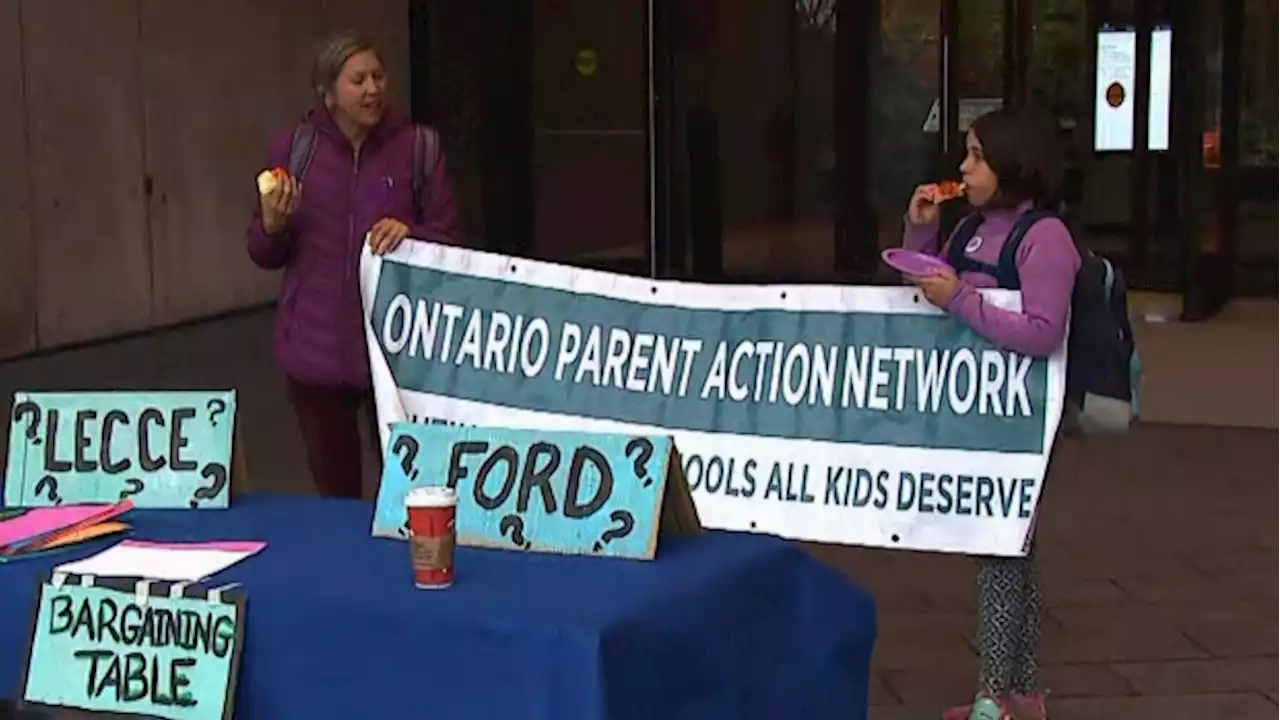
pixel 236 546
pixel 91 532
pixel 173 561
pixel 43 521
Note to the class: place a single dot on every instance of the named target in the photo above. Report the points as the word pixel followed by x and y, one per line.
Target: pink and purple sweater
pixel 1047 264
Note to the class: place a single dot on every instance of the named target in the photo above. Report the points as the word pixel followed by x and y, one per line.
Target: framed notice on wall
pixel 1113 99
pixel 1116 77
pixel 1161 87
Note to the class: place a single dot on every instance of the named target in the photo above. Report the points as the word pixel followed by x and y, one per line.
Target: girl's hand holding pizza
pixel 924 206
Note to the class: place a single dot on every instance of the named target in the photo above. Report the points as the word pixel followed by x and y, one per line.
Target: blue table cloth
pixel 721 625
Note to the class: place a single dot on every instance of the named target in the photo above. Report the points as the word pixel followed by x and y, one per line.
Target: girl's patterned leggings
pixel 1009 611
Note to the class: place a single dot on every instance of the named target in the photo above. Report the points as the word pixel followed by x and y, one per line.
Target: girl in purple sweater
pixel 1009 168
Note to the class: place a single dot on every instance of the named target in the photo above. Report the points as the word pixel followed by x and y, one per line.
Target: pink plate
pixel 911 262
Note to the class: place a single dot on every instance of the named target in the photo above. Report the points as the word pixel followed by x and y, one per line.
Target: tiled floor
pixel 1193 370
pixel 1158 549
pixel 1160 570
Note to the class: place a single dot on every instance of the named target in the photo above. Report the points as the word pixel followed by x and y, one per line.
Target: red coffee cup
pixel 432 533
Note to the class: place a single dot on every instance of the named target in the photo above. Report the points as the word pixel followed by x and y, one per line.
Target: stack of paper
pixel 172 561
pixel 30 531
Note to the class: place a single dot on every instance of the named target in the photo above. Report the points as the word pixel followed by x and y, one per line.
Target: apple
pixel 269 180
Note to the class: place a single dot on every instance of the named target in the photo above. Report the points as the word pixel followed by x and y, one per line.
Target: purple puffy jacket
pixel 319 335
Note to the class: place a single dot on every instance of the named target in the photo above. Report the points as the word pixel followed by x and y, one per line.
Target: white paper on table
pixel 177 562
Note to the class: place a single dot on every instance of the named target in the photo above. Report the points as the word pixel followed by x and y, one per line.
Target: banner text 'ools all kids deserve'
pixel 850 415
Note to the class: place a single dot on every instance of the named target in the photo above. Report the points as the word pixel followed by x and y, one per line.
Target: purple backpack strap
pixel 426 154
pixel 302 149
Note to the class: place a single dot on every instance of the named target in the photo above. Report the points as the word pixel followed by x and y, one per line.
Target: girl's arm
pixel 921 238
pixel 1047 265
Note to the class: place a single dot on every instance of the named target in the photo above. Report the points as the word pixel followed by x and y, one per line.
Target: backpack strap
pixel 1006 271
pixel 426 149
pixel 426 154
pixel 960 238
pixel 302 149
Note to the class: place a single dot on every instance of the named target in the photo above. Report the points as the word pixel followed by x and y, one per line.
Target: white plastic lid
pixel 431 497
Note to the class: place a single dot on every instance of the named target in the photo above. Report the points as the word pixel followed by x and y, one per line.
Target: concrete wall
pixel 133 131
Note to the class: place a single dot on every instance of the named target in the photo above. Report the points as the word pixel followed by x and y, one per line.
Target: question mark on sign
pixel 33 410
pixel 641 459
pixel 218 474
pixel 215 407
pixel 406 448
pixel 624 522
pixel 133 487
pixel 513 526
pixel 50 482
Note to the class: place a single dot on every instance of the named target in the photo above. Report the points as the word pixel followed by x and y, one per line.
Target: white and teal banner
pixel 852 415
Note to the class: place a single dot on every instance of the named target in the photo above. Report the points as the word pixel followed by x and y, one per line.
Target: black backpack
pixel 1104 372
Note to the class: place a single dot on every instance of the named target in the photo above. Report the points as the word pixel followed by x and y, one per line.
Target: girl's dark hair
pixel 1022 148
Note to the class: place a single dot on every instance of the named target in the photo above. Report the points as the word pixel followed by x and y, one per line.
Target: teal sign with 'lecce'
pixel 540 490
pixel 113 645
pixel 158 449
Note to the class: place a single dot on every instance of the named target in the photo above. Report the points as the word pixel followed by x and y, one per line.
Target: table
pixel 722 625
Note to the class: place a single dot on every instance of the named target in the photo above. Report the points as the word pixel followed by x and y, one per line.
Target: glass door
pixel 1209 243
pixel 1253 31
pixel 911 72
pixel 752 149
pixel 980 69
pixel 546 111
pixel 1235 252
pixel 1121 176
pixel 1059 78
pixel 1128 161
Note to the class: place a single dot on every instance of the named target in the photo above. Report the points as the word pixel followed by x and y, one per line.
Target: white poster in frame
pixel 1113 95
pixel 1160 88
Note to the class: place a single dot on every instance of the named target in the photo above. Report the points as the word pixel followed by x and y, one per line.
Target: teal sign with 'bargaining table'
pixel 134 648
pixel 542 490
pixel 158 449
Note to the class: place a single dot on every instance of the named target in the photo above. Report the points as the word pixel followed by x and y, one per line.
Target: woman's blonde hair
pixel 332 54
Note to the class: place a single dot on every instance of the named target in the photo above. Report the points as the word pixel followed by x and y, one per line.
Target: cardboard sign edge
pixel 12 498
pixel 239 484
pixel 679 502
pixel 660 502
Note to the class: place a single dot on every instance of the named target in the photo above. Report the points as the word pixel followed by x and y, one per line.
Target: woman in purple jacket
pixel 1009 168
pixel 359 182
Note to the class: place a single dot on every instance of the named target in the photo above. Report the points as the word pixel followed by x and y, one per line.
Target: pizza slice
pixel 948 190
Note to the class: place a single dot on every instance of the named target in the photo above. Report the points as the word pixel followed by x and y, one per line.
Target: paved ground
pixel 1159 551
pixel 1160 568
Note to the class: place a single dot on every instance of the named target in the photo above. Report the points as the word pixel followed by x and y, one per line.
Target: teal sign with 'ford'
pixel 542 490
